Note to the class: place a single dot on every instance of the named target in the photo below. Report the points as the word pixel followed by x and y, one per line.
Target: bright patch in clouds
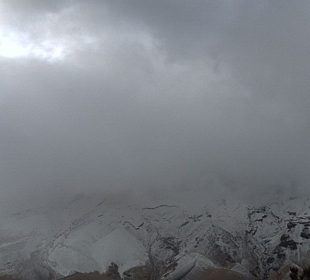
pixel 16 44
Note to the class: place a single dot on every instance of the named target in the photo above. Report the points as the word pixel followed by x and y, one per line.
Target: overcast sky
pixel 144 94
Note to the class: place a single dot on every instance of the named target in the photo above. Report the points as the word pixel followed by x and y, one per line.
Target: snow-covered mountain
pixel 279 232
pixel 88 233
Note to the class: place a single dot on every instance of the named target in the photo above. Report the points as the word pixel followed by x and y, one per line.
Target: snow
pixel 92 232
pixel 120 247
pixel 83 253
pixel 189 264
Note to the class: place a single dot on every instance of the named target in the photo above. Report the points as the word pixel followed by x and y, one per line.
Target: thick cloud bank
pixel 143 94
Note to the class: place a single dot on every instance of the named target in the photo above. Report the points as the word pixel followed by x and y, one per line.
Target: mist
pixel 145 96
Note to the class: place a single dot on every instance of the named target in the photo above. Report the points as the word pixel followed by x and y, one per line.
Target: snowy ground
pixel 86 233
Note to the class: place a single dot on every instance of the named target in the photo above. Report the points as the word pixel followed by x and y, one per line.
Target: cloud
pixel 156 95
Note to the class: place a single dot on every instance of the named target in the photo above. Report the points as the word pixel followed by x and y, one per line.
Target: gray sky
pixel 144 94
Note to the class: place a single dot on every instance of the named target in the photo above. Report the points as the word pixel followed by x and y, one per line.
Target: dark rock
pixel 287 242
pixel 305 233
pixel 270 260
pixel 291 225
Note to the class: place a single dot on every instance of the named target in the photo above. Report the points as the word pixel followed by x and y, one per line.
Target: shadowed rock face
pixel 7 277
pixel 137 273
pixel 77 276
pixel 110 274
pixel 140 274
pixel 89 276
pixel 289 271
pixel 215 274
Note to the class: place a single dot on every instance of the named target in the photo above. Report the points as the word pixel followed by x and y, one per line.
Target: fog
pixel 142 95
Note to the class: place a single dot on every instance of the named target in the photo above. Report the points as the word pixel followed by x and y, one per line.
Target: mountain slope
pixel 92 232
